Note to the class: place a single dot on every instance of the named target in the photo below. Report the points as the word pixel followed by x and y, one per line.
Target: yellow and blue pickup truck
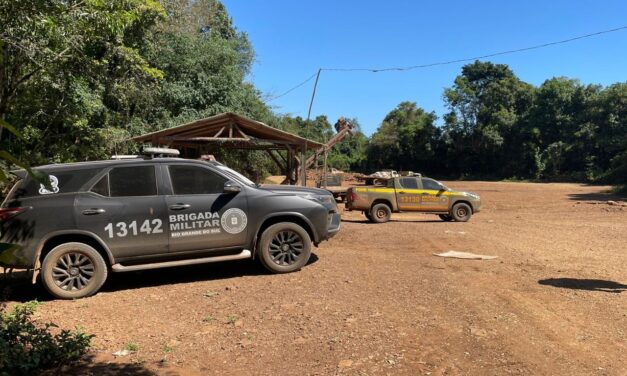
pixel 412 194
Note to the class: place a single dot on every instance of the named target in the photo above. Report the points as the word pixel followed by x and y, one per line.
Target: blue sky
pixel 292 39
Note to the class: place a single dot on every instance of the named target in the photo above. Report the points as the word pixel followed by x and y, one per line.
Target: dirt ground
pixel 375 300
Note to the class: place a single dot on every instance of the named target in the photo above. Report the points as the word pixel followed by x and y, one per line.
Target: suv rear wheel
pixel 284 247
pixel 73 270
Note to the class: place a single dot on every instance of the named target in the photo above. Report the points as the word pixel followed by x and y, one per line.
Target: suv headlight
pixel 323 199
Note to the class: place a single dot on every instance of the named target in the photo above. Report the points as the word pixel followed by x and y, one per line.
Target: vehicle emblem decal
pixel 54 183
pixel 234 221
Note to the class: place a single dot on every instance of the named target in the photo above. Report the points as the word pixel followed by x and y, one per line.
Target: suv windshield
pixel 237 175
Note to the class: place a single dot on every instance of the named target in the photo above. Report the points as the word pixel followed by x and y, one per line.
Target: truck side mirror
pixel 232 187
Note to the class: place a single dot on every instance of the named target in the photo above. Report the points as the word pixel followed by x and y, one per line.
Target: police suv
pixel 154 211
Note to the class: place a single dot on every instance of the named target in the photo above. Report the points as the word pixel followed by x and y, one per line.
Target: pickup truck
pixel 412 194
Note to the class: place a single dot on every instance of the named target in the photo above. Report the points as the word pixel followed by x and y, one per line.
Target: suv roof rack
pixel 124 156
pixel 160 152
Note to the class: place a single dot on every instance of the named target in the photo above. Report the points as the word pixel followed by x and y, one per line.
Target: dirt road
pixel 374 300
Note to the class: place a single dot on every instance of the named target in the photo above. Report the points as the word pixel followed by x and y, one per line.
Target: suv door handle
pixel 93 211
pixel 402 192
pixel 180 206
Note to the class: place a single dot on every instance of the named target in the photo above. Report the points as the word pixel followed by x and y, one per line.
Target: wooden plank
pixel 219 132
pixel 278 163
pixel 240 131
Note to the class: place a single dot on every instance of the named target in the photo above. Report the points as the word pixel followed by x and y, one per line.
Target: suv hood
pixel 294 190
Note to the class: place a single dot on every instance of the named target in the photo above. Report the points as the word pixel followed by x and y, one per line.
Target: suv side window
pixel 409 183
pixel 62 182
pixel 431 184
pixel 194 180
pixel 132 181
pixel 102 186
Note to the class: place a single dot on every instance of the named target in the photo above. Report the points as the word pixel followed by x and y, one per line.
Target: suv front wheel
pixel 284 247
pixel 73 270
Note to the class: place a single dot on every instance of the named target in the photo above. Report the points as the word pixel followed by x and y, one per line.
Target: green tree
pixel 350 153
pixel 610 115
pixel 406 140
pixel 488 104
pixel 563 115
pixel 57 60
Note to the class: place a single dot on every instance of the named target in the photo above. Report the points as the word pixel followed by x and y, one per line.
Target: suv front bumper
pixel 334 221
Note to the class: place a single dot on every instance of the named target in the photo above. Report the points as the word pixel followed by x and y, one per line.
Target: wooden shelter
pixel 232 131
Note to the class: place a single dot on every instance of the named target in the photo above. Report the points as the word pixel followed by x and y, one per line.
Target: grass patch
pixel 131 346
pixel 208 318
pixel 231 319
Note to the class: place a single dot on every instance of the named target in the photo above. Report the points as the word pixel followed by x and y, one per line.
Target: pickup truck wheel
pixel 367 214
pixel 461 212
pixel 73 270
pixel 380 213
pixel 445 217
pixel 284 247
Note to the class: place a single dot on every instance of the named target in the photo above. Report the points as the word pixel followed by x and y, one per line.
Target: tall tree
pixel 406 139
pixel 56 58
pixel 487 104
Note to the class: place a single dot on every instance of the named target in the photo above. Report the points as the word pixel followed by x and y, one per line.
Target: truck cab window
pixel 409 183
pixel 431 184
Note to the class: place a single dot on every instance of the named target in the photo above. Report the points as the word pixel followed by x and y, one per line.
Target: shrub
pixel 27 347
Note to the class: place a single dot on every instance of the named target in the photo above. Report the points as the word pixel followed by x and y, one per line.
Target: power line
pixel 408 68
pixel 376 70
pixel 294 88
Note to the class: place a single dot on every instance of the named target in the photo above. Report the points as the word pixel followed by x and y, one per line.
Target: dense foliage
pixel 27 347
pixel 501 127
pixel 79 77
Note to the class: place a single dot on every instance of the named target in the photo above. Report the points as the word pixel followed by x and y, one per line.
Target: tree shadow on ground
pixel 366 221
pixel 20 289
pixel 89 365
pixel 597 196
pixel 585 284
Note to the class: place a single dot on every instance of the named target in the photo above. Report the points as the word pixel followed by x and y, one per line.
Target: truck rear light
pixel 352 196
pixel 8 213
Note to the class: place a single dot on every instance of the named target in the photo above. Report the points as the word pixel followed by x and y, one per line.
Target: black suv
pixel 143 213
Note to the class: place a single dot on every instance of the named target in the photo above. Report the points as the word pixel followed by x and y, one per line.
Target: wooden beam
pixel 278 163
pixel 219 132
pixel 206 139
pixel 244 135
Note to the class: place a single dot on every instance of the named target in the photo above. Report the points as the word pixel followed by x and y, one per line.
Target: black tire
pixel 380 213
pixel 73 271
pixel 367 214
pixel 284 247
pixel 461 212
pixel 445 217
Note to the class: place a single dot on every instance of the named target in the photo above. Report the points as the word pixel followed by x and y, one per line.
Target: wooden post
pixel 324 166
pixel 303 167
pixel 291 165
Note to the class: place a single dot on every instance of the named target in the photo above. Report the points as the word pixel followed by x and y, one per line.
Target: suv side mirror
pixel 232 187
